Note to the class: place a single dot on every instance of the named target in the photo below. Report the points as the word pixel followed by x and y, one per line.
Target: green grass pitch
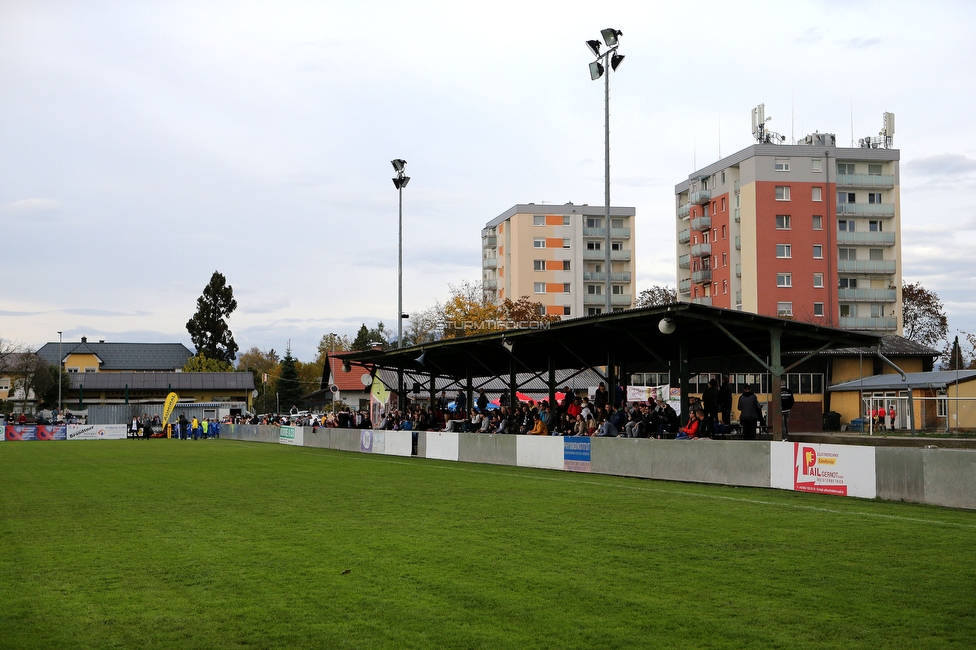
pixel 224 544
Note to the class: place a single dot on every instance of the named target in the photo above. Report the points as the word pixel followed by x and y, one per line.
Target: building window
pixel 91 369
pixel 815 165
pixel 818 251
pixel 72 370
pixel 784 251
pixel 723 204
pixel 539 242
pixel 725 259
pixel 594 289
pixel 566 265
pixel 874 226
pixel 539 287
pixel 738 201
pixel 845 168
pixel 782 222
pixel 617 289
pixel 818 281
pixel 593 246
pixel 593 311
pixel 817 222
pixel 616 223
pixel 817 193
pixel 538 220
pixel 784 279
pixel 567 310
pixel 847 254
pixel 781 164
pixel 784 309
pixel 845 225
pixel 566 242
pixel 782 192
pixel 818 309
pixel 876 254
pixel 845 197
pixel 538 265
pixel 847 311
pixel 725 286
pixel 848 283
pixel 616 246
pixel 874 170
pixel 877 311
pixel 566 287
pixel 566 220
pixel 593 222
pixel 723 178
pixel 725 232
pixel 874 197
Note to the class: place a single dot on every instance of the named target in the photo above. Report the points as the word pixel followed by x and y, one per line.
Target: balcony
pixel 867 295
pixel 871 324
pixel 866 266
pixel 594 255
pixel 866 238
pixel 490 285
pixel 489 241
pixel 866 209
pixel 684 236
pixel 684 261
pixel 619 299
pixel 701 223
pixel 701 197
pixel 620 256
pixel 618 233
pixel 706 300
pixel 738 243
pixel 735 187
pixel 684 286
pixel 490 263
pixel 592 276
pixel 698 277
pixel 879 181
pixel 701 250
pixel 738 270
pixel 736 215
pixel 684 210
pixel 738 299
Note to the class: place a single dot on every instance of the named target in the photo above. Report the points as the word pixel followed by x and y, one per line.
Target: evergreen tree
pixel 208 328
pixel 290 389
pixel 955 356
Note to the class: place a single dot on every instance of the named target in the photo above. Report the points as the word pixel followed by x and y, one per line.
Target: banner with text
pixel 291 436
pixel 576 454
pixel 96 432
pixel 823 469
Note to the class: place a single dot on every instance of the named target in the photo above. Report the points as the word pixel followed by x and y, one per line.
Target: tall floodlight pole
pixel 60 362
pixel 597 69
pixel 400 181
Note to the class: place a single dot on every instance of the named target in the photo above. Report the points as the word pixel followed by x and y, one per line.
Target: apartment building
pixel 808 231
pixel 556 255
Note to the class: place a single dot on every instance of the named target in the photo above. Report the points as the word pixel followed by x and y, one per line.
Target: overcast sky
pixel 144 145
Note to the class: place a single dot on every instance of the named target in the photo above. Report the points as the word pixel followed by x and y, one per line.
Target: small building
pixel 87 356
pixel 941 400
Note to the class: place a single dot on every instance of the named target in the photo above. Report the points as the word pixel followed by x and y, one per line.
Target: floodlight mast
pixel 604 64
pixel 400 182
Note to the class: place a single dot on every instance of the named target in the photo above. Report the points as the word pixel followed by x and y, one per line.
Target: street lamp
pixel 598 68
pixel 60 363
pixel 399 182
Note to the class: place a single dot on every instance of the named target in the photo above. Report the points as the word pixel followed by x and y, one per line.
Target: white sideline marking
pixel 695 494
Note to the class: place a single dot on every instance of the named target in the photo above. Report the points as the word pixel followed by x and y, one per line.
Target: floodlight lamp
pixel 421 360
pixel 346 366
pixel 400 182
pixel 596 70
pixel 667 326
pixel 399 164
pixel 616 60
pixel 404 315
pixel 508 345
pixel 594 47
pixel 610 36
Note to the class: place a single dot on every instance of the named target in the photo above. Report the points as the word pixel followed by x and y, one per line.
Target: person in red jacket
pixel 690 430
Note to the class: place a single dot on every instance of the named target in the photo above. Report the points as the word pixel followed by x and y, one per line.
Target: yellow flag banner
pixel 170 405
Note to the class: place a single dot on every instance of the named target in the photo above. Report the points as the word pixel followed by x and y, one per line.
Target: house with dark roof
pixel 89 356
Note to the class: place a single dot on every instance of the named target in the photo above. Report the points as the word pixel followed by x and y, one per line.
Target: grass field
pixel 227 544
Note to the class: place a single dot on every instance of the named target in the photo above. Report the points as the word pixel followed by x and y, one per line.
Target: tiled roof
pixel 348 381
pixel 123 356
pixel 175 381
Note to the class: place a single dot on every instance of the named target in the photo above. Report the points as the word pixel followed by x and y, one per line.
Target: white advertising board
pixel 539 451
pixel 442 445
pixel 844 470
pixel 96 431
pixel 291 436
pixel 399 443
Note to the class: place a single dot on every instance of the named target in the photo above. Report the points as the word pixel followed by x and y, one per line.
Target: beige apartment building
pixel 556 255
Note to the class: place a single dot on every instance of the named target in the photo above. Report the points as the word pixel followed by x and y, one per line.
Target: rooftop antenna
pixel 852 118
pixel 695 149
pixel 792 114
pixel 720 136
pixel 759 130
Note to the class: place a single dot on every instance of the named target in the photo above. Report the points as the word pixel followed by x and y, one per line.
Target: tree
pixel 657 295
pixel 49 396
pixel 525 310
pixel 425 326
pixel 955 359
pixel 208 328
pixel 468 311
pixel 289 387
pixel 923 315
pixel 201 363
pixel 330 343
pixel 34 376
pixel 260 363
pixel 367 338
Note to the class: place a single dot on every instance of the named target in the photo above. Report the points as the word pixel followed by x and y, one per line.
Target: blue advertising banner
pixel 576 454
pixel 35 432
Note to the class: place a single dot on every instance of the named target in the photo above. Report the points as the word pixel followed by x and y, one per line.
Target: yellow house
pixel 89 356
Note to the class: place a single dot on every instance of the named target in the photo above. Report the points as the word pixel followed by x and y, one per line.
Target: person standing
pixel 181 433
pixel 787 401
pixel 205 426
pixel 748 413
pixel 711 405
pixel 891 418
pixel 482 402
pixel 195 427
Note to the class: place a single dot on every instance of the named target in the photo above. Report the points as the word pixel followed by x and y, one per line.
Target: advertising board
pixel 843 470
pixel 96 432
pixel 291 436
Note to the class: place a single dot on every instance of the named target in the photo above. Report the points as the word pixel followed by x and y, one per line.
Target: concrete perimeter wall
pixel 943 477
